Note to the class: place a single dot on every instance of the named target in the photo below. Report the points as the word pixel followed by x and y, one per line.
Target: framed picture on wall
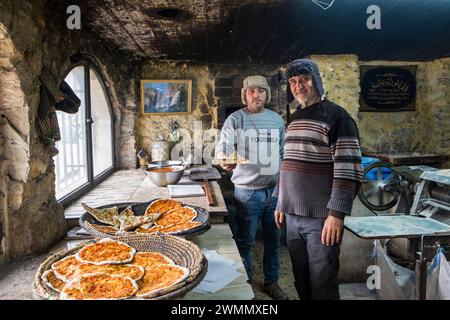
pixel 166 97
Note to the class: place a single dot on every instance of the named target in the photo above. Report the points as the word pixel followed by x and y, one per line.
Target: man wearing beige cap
pixel 255 134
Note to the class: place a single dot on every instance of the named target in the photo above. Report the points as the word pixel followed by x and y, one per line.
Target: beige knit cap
pixel 255 82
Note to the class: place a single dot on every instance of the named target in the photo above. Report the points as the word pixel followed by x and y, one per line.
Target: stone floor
pixel 114 189
pixel 348 291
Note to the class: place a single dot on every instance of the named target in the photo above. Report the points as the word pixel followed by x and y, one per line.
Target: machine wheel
pixel 380 189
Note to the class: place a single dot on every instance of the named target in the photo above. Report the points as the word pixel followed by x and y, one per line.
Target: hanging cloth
pixel 52 98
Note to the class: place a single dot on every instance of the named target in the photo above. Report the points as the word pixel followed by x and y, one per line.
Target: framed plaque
pixel 388 88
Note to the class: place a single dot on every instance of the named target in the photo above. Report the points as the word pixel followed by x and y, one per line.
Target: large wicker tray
pixel 139 209
pixel 183 252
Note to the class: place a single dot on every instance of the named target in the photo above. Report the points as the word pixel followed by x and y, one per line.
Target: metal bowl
pixel 162 179
pixel 164 163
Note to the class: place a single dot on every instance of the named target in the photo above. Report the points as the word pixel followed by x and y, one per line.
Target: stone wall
pixel 30 217
pixel 203 106
pixel 380 132
pixel 340 77
pixel 34 219
pixel 426 129
pixel 215 87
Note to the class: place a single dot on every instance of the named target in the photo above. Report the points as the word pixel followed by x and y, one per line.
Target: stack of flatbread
pixel 163 215
pixel 110 269
pixel 174 217
pixel 116 223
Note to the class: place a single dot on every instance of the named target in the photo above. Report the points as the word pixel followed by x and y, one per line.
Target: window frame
pixel 71 197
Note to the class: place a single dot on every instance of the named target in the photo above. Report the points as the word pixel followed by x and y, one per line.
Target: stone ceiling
pixel 263 30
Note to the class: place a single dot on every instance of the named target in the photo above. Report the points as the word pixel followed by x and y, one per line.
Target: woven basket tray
pixel 139 210
pixel 184 253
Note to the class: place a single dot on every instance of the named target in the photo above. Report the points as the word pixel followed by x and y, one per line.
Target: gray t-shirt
pixel 258 137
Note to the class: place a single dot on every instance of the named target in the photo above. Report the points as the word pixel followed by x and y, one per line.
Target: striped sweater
pixel 321 170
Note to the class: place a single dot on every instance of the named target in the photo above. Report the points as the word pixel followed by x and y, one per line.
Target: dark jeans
pixel 315 265
pixel 254 207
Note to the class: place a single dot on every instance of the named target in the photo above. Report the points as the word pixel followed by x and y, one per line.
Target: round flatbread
pixel 151 230
pixel 71 291
pixel 163 206
pixel 135 272
pixel 101 286
pixel 64 268
pixel 176 216
pixel 160 277
pixel 102 228
pixel 150 259
pixel 181 227
pixel 106 251
pixel 51 280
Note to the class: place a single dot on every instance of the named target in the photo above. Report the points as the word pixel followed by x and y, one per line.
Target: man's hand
pixel 279 219
pixel 332 230
pixel 229 167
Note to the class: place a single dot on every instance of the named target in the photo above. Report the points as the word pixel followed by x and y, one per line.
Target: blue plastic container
pixel 372 174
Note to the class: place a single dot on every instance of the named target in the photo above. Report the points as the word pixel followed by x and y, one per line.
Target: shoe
pixel 275 292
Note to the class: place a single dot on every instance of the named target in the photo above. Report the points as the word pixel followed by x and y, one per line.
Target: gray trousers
pixel 315 265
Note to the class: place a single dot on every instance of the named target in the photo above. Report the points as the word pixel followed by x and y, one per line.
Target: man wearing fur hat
pixel 255 134
pixel 319 178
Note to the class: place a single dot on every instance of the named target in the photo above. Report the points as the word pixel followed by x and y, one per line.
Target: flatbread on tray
pixel 150 259
pixel 128 211
pixel 181 227
pixel 100 286
pixel 102 228
pixel 106 251
pixel 65 268
pixel 153 229
pixel 128 222
pixel 173 228
pixel 162 205
pixel 160 277
pixel 177 216
pixel 71 291
pixel 51 280
pixel 133 271
pixel 108 216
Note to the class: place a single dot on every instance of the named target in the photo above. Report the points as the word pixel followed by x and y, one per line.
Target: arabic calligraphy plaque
pixel 388 88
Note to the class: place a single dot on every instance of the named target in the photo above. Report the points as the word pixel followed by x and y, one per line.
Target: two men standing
pixel 319 178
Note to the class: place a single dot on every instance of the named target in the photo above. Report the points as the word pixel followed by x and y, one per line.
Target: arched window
pixel 86 148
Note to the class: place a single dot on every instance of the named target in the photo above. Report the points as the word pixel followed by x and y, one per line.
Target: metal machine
pixel 415 206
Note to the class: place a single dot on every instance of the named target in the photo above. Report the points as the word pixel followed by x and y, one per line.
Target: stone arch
pixel 93 62
pixel 122 97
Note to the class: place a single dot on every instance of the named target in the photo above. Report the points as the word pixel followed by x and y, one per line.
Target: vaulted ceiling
pixel 266 31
